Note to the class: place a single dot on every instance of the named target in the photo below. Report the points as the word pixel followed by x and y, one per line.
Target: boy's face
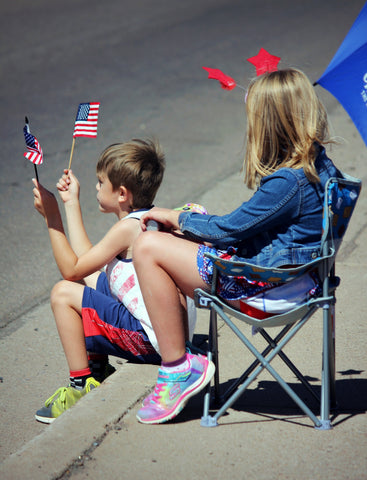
pixel 107 198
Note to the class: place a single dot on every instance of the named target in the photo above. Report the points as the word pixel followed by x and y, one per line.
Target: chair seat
pixel 202 298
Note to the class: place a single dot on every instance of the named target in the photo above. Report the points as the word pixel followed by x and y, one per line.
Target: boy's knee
pixel 59 292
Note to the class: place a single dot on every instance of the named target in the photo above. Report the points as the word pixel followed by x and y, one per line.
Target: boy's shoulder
pixel 125 230
pixel 137 213
pixel 130 223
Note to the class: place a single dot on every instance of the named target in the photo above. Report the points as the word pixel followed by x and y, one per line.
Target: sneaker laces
pixel 60 393
pixel 157 392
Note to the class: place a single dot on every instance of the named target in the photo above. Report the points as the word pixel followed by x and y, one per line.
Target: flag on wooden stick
pixel 86 120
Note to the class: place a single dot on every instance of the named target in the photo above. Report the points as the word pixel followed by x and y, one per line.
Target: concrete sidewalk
pixel 263 436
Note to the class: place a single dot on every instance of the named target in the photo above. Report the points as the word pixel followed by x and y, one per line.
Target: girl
pixel 279 226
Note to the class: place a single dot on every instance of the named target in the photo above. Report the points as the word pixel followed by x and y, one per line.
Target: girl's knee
pixel 144 246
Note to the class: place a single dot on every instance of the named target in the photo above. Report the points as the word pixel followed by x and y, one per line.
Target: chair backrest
pixel 341 196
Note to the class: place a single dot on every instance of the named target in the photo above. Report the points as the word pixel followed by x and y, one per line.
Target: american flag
pixel 34 154
pixel 86 120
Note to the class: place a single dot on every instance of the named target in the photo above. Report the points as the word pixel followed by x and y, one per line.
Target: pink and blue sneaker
pixel 173 390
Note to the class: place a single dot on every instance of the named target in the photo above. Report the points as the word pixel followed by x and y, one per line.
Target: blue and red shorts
pixel 110 329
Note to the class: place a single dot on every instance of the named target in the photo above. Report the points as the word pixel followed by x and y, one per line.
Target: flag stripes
pixel 34 154
pixel 86 120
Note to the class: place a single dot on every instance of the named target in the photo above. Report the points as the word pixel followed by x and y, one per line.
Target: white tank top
pixel 124 286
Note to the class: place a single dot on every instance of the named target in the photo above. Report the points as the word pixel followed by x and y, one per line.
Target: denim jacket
pixel 280 225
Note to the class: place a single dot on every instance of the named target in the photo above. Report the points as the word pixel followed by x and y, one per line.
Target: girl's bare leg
pixel 66 303
pixel 165 263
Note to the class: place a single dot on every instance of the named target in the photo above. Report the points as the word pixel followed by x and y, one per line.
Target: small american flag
pixel 34 154
pixel 86 120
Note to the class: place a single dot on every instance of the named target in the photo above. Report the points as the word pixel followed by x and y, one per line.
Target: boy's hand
pixel 45 202
pixel 68 187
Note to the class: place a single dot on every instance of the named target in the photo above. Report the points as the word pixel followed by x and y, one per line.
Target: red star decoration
pixel 225 81
pixel 264 62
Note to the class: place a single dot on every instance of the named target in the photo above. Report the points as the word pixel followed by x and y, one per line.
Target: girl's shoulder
pixel 291 175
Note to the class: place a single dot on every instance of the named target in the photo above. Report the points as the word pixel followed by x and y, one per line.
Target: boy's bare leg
pixel 91 280
pixel 165 263
pixel 66 303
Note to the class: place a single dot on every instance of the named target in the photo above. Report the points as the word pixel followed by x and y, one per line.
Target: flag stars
pixel 86 120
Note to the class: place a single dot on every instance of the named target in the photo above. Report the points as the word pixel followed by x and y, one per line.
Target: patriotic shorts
pixel 229 288
pixel 110 329
pixel 264 296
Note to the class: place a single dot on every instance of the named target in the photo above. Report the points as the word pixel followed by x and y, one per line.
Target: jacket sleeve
pixel 276 202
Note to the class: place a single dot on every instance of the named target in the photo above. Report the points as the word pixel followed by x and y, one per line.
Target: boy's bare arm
pixel 69 190
pixel 119 238
pixel 46 204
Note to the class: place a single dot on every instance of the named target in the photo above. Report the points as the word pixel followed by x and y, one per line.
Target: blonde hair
pixel 285 122
pixel 137 165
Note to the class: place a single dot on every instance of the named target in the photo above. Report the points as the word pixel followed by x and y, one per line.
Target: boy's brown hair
pixel 137 165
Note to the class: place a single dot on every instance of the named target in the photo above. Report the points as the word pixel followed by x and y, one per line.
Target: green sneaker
pixel 62 399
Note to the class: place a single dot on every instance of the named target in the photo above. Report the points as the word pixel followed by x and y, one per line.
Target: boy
pixel 87 305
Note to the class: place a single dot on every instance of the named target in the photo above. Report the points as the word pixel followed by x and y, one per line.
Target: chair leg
pixel 332 358
pixel 265 363
pixel 273 343
pixel 214 349
pixel 236 383
pixel 206 419
pixel 327 361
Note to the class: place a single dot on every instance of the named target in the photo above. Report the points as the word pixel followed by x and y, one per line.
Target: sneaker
pixel 190 348
pixel 62 399
pixel 173 390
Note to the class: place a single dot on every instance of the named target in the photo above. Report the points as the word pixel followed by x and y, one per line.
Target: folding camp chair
pixel 341 195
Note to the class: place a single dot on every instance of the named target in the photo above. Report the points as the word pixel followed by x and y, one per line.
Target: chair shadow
pixel 270 402
pixel 269 399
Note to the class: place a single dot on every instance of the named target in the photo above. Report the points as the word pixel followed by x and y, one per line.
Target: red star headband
pixel 263 61
pixel 225 81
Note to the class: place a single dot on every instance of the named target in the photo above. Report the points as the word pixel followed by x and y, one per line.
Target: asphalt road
pixel 143 61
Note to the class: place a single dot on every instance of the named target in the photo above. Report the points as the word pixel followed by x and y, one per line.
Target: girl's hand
pixel 165 217
pixel 68 187
pixel 44 201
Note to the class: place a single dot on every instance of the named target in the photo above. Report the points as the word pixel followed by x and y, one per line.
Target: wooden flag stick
pixel 71 153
